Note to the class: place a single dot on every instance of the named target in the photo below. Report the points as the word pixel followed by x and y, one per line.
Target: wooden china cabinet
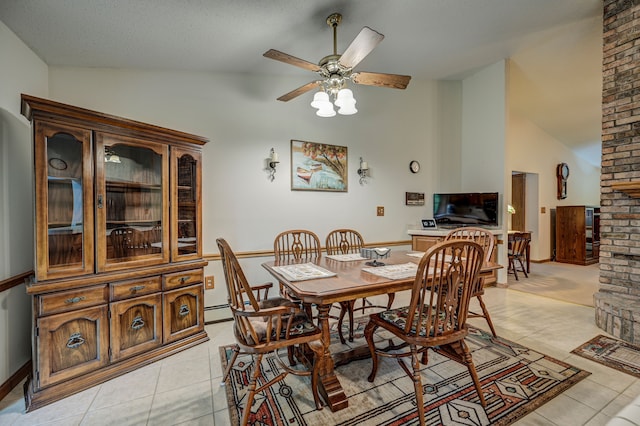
pixel 119 270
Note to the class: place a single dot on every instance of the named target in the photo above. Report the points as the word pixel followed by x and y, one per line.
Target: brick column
pixel 618 299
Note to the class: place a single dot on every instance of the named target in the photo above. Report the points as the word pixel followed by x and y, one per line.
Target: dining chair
pixel 266 326
pixel 487 241
pixel 348 241
pixel 517 252
pixel 296 245
pixel 436 315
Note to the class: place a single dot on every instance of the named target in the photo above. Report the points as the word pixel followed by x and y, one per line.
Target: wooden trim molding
pixel 211 257
pixel 15 379
pixel 630 188
pixel 14 281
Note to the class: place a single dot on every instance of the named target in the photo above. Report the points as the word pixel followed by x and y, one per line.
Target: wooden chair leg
pixel 227 371
pixel 318 353
pixel 524 270
pixel 513 267
pixel 344 308
pixel 351 304
pixel 251 391
pixel 485 314
pixel 368 335
pixel 417 383
pixel 468 360
pixel 392 296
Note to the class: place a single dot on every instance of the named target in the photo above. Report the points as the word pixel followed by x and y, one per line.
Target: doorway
pixel 518 201
pixel 529 216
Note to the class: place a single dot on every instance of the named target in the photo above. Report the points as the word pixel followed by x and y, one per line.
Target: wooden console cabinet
pixel 119 270
pixel 425 242
pixel 578 234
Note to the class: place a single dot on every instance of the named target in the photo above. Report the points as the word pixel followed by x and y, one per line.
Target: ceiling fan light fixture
pixel 345 97
pixel 346 102
pixel 320 99
pixel 348 109
pixel 336 70
pixel 326 111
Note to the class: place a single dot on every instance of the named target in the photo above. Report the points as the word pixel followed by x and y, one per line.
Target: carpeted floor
pixel 613 353
pixel 515 380
pixel 561 281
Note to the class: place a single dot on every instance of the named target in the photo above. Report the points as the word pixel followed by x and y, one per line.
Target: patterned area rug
pixel 613 353
pixel 515 379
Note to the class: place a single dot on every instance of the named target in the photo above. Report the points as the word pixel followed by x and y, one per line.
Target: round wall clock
pixel 58 163
pixel 414 166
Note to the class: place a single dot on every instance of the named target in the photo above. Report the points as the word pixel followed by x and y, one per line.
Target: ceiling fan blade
pixel 360 47
pixel 288 59
pixel 393 81
pixel 299 91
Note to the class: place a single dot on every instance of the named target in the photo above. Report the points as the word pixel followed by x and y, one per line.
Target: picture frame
pixel 429 223
pixel 318 167
pixel 414 198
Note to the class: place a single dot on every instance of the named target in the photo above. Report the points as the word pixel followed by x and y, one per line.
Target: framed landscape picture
pixel 318 167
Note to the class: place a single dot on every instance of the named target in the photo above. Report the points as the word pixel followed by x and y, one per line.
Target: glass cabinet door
pixel 186 178
pixel 132 205
pixel 64 213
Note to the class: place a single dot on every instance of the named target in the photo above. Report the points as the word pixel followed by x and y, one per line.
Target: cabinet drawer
pixel 184 278
pixel 65 301
pixel 424 243
pixel 132 288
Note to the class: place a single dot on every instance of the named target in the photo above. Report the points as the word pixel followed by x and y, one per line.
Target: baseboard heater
pixel 217 313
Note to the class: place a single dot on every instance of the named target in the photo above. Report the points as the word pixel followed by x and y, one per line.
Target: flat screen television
pixel 466 209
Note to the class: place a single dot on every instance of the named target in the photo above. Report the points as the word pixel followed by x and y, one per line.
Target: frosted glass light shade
pixel 326 110
pixel 348 109
pixel 346 102
pixel 345 96
pixel 320 99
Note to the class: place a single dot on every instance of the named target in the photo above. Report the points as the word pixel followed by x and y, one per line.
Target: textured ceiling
pixel 431 39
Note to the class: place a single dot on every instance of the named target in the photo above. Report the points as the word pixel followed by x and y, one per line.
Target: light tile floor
pixel 184 389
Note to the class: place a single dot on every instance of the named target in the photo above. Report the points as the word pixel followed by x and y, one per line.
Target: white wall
pixel 240 204
pixel 20 71
pixel 532 150
pixel 484 112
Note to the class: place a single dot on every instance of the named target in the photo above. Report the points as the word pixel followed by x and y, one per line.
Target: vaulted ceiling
pixel 554 45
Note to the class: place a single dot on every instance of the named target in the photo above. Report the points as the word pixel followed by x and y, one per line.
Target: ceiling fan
pixel 335 70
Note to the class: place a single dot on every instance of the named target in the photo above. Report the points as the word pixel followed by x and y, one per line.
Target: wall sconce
pixel 363 171
pixel 273 162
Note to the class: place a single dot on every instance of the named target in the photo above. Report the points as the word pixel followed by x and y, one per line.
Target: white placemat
pixel 416 254
pixel 303 271
pixel 394 272
pixel 346 257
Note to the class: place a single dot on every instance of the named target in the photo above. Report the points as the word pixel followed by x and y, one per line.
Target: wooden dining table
pixel 350 282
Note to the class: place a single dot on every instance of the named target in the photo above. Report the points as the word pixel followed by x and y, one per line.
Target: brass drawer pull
pixel 75 299
pixel 184 310
pixel 137 323
pixel 75 340
pixel 136 288
pixel 185 279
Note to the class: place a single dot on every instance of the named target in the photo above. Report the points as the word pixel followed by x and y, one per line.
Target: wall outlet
pixel 209 282
pixel 380 211
pixel 543 209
